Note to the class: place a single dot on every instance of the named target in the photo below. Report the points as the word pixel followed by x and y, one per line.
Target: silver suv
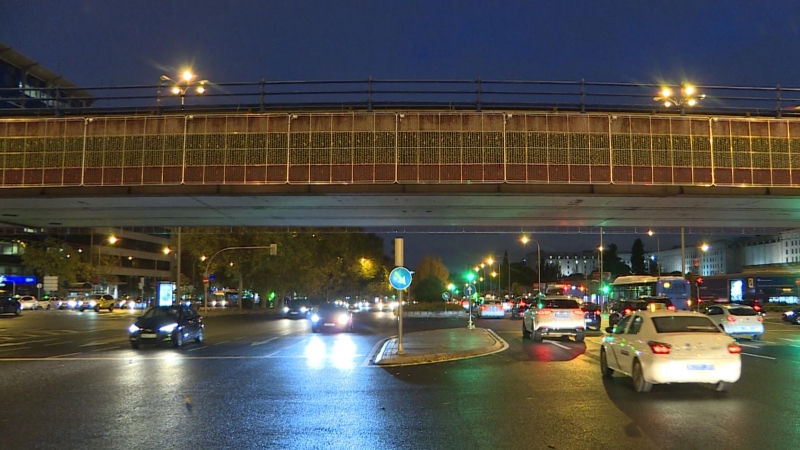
pixel 555 316
pixel 98 302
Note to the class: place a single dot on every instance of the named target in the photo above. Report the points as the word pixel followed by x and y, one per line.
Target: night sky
pixel 112 43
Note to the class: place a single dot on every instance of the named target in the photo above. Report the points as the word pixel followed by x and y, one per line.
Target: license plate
pixel 588 320
pixel 149 335
pixel 293 312
pixel 330 324
pixel 700 367
pixel 562 314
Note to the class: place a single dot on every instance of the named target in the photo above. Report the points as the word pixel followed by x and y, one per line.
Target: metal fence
pixel 406 148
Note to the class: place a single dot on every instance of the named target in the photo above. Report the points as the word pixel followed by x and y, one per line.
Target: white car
pixel 97 302
pixel 67 303
pixel 660 347
pixel 737 320
pixel 47 303
pixel 28 302
pixel 557 316
pixel 492 309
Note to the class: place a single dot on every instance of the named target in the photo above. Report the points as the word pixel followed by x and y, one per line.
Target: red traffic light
pixel 699 280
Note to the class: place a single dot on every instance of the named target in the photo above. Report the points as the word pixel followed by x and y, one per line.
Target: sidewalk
pixel 424 347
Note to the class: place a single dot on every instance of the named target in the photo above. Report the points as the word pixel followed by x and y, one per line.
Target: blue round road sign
pixel 400 278
pixel 445 296
pixel 469 290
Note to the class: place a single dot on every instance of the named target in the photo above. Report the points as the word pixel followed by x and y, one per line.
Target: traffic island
pixel 427 347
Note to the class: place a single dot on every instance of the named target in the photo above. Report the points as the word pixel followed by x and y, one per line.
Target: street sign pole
pixel 398 261
pixel 470 291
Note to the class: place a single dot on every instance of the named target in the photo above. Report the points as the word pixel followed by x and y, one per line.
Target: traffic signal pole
pixel 398 262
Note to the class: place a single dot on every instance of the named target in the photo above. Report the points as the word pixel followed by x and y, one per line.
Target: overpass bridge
pixel 406 167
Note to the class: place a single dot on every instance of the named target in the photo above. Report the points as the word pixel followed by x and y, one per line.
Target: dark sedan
pixel 624 308
pixel 330 316
pixel 296 309
pixel 591 315
pixel 519 308
pixel 10 305
pixel 173 324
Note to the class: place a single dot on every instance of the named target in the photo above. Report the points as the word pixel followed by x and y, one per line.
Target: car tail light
pixel 628 311
pixel 578 312
pixel 670 308
pixel 522 304
pixel 596 312
pixel 730 319
pixel 734 349
pixel 543 312
pixel 659 348
pixel 484 307
pixel 760 319
pixel 757 308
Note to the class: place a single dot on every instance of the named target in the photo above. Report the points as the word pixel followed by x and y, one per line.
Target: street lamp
pixel 688 97
pixel 525 240
pixel 179 87
pixel 651 233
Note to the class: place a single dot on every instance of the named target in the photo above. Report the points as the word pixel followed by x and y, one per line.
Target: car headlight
pixel 315 318
pixel 92 303
pixel 343 319
pixel 72 303
pixel 789 313
pixel 286 309
pixel 168 328
pixel 303 309
pixel 133 328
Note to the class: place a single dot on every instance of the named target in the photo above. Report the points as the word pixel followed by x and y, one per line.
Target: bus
pixel 751 287
pixel 631 287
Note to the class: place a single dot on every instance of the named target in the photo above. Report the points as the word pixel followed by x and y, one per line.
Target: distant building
pixel 584 262
pixel 24 83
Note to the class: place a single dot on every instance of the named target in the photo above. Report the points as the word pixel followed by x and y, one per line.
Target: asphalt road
pixel 69 380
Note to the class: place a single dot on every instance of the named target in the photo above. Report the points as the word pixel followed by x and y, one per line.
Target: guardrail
pixel 391 94
pixel 406 148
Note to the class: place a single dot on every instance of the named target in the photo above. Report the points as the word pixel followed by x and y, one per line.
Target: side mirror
pixel 609 330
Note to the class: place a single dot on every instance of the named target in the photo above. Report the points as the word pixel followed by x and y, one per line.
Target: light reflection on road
pixel 342 354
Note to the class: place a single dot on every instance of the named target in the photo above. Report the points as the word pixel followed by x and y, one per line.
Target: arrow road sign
pixel 400 278
pixel 469 290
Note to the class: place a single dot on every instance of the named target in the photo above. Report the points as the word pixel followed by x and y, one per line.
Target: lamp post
pixel 490 262
pixel 658 251
pixel 179 87
pixel 273 250
pixel 525 240
pixel 688 97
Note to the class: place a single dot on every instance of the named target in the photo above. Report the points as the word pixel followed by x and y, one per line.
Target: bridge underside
pixel 402 206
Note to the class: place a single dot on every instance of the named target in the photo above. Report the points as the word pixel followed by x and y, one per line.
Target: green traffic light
pixel 605 289
pixel 470 276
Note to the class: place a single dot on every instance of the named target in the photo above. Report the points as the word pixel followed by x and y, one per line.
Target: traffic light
pixel 470 276
pixel 605 289
pixel 699 281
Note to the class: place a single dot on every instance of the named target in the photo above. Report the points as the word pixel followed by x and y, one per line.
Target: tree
pixel 432 267
pixel 429 289
pixel 638 266
pixel 54 257
pixel 613 263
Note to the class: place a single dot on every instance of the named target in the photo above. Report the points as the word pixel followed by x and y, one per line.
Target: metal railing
pixel 390 94
pixel 405 148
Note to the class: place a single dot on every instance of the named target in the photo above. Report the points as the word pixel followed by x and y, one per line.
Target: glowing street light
pixel 180 86
pixel 166 250
pixel 704 247
pixel 688 97
pixel 652 233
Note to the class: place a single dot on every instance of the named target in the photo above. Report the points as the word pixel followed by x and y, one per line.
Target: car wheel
pixel 604 369
pixel 580 336
pixel 177 339
pixel 537 336
pixel 722 386
pixel 18 311
pixel 111 308
pixel 97 309
pixel 134 345
pixel 639 383
pixel 48 307
pixel 525 333
pixel 756 337
pixel 81 309
pixel 314 330
pixel 200 336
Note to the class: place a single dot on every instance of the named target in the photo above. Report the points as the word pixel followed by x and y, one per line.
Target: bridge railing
pixel 391 94
pixel 408 148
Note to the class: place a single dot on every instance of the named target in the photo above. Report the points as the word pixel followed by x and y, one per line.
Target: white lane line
pixel 288 347
pixel 56 343
pixel 12 349
pixel 264 342
pixel 11 344
pixel 558 345
pixel 785 339
pixel 61 356
pixel 197 348
pixel 759 356
pixel 241 337
pixel 221 342
pixel 105 349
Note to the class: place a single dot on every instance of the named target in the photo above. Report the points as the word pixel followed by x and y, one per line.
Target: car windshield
pixel 560 304
pixel 684 324
pixel 329 307
pixel 158 312
pixel 740 311
pixel 297 304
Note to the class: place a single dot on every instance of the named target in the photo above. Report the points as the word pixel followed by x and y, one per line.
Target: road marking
pixel 759 356
pixel 105 349
pixel 198 348
pixel 748 345
pixel 558 345
pixel 61 356
pixel 373 352
pixel 222 342
pixel 785 339
pixel 241 337
pixel 10 344
pixel 264 342
pixel 56 343
pixel 11 349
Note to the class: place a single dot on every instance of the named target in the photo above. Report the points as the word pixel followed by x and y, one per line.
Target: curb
pixel 499 345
